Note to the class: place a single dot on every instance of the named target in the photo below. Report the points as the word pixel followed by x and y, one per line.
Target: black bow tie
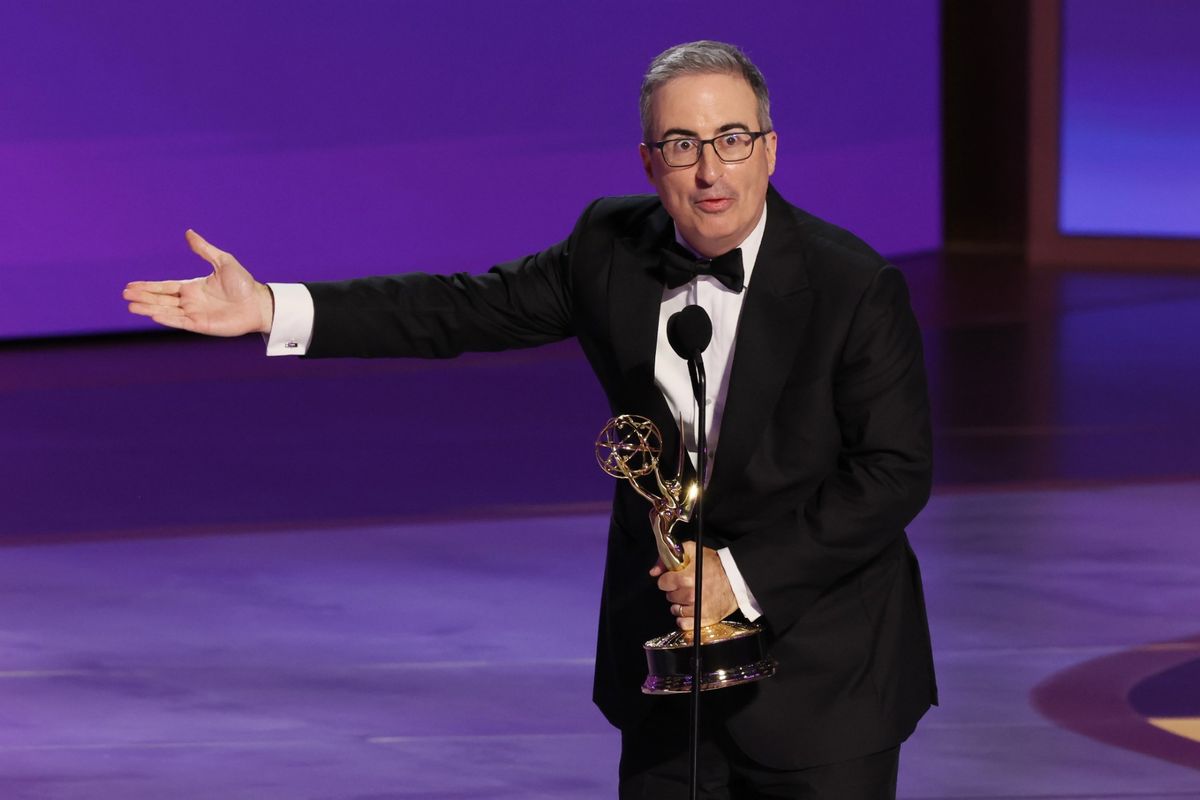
pixel 680 266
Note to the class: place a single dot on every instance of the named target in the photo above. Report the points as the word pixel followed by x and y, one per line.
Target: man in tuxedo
pixel 818 431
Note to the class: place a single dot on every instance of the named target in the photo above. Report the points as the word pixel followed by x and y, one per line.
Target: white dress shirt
pixel 724 307
pixel 291 334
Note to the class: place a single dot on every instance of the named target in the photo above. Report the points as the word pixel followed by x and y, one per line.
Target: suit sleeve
pixel 522 303
pixel 883 471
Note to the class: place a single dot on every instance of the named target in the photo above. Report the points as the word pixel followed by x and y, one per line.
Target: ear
pixel 647 161
pixel 769 142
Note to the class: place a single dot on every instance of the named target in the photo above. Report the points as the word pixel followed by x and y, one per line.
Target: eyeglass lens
pixel 729 147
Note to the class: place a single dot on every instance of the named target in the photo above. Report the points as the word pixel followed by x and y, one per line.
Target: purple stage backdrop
pixel 1130 118
pixel 328 139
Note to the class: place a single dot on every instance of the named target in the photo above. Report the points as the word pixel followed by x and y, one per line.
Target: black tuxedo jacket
pixel 824 456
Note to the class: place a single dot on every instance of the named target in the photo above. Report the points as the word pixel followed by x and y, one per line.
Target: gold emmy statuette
pixel 731 652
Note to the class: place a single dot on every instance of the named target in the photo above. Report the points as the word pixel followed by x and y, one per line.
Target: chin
pixel 716 235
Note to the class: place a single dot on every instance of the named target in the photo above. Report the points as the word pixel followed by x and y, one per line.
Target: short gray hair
pixel 703 58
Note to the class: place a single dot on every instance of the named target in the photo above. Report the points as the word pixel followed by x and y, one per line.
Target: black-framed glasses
pixel 730 147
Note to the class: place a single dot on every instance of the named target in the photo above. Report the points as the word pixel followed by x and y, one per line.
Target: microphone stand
pixel 689 331
pixel 699 388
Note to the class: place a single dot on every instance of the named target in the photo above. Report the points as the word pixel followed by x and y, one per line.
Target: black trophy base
pixel 732 653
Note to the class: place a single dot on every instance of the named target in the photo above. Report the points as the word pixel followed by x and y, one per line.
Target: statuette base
pixel 733 653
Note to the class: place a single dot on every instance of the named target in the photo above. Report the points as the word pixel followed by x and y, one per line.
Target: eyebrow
pixel 728 126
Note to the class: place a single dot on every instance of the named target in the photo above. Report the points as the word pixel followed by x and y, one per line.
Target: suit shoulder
pixel 838 246
pixel 832 254
pixel 620 214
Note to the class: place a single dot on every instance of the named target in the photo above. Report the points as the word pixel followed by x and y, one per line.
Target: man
pixel 818 432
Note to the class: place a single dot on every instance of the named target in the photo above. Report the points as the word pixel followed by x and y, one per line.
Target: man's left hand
pixel 680 589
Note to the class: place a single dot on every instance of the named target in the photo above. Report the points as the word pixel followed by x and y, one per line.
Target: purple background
pixel 329 139
pixel 1131 118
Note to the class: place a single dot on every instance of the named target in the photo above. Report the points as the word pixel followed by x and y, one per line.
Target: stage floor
pixel 227 576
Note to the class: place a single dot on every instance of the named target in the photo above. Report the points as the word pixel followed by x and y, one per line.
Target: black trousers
pixel 655 766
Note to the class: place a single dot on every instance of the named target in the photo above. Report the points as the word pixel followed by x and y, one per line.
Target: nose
pixel 709 167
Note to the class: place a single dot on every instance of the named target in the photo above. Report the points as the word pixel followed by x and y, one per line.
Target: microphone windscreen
pixel 689 331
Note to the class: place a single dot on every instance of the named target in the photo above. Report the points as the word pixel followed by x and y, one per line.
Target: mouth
pixel 714 205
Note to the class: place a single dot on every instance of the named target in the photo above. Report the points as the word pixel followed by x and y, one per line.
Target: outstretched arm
pixel 228 302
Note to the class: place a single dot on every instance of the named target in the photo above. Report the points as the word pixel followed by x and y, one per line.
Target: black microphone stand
pixel 689 331
pixel 699 388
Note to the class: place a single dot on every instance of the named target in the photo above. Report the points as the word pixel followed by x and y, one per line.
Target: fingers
pixel 167 295
pixel 669 581
pixel 202 248
pixel 682 596
pixel 168 317
pixel 160 301
pixel 677 587
pixel 689 552
pixel 145 309
pixel 685 616
pixel 683 610
pixel 141 291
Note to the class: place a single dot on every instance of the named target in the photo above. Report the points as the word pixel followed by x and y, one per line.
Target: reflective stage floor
pixel 230 577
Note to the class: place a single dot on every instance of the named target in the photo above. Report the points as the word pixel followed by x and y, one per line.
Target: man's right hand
pixel 229 302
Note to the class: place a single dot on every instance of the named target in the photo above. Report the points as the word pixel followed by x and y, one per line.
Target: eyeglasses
pixel 729 147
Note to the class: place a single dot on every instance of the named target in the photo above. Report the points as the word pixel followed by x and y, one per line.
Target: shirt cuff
pixel 745 598
pixel 291 329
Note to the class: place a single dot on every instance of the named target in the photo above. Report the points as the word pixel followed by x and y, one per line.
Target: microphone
pixel 689 331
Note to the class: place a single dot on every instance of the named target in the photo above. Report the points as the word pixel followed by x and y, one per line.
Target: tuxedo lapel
pixel 635 301
pixel 770 330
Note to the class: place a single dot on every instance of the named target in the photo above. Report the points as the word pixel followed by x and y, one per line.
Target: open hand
pixel 229 302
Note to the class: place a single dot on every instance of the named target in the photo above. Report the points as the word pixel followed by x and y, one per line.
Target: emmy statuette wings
pixel 629 447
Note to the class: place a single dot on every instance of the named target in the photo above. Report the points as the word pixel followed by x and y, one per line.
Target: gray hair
pixel 703 58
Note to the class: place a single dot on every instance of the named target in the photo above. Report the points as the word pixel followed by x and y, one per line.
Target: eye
pixel 683 145
pixel 732 139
